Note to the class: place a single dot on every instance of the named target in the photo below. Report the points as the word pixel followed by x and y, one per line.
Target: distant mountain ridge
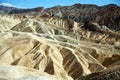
pixel 6 9
pixel 108 15
pixel 14 10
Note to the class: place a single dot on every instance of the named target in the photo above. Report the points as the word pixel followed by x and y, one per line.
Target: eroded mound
pixel 56 49
pixel 113 73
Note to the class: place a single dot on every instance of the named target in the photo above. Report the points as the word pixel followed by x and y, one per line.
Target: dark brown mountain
pixel 76 12
pixel 28 11
pixel 108 15
pixel 5 9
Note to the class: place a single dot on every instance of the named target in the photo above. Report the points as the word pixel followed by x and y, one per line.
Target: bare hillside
pixel 46 47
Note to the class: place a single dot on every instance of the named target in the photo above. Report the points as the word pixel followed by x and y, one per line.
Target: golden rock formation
pixel 55 49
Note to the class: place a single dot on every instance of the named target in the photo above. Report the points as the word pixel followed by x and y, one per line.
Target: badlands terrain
pixel 47 44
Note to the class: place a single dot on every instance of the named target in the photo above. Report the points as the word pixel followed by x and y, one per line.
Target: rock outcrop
pixel 113 74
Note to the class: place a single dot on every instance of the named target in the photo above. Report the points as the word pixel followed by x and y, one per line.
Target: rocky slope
pixel 108 15
pixel 51 48
pixel 104 75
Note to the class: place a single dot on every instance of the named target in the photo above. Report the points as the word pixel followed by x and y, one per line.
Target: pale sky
pixel 51 3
